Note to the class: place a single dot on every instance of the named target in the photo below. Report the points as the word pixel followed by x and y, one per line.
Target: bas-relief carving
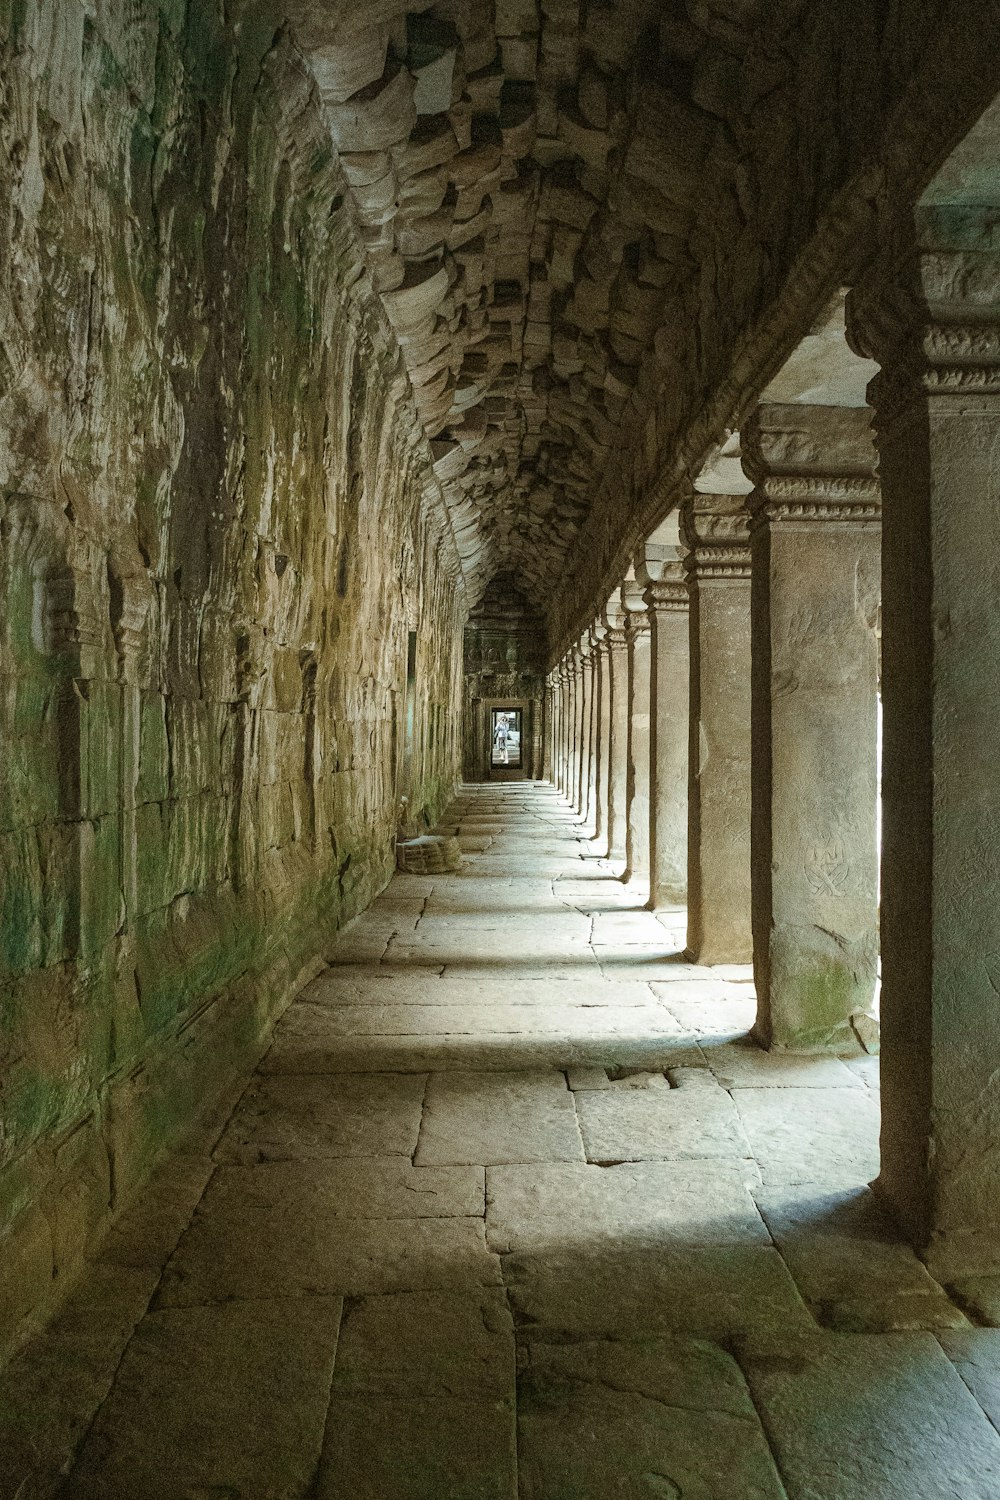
pixel 827 864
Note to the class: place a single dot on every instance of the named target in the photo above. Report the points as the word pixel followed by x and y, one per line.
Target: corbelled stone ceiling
pixel 526 178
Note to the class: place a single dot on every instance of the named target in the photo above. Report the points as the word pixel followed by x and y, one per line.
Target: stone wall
pixel 216 528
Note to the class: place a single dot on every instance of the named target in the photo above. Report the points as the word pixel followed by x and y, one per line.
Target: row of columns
pixel 731 756
pixel 745 734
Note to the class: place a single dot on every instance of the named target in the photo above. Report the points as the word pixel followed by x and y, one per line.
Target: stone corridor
pixel 512 1207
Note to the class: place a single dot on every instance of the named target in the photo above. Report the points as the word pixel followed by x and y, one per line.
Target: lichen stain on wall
pixel 212 531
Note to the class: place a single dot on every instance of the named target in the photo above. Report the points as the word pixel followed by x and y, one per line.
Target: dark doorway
pixel 505 738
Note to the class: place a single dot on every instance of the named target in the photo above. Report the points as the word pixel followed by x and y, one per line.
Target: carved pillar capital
pixel 811 463
pixel 668 593
pixel 931 316
pixel 716 529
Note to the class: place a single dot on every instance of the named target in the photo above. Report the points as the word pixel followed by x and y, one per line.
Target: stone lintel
pixel 811 463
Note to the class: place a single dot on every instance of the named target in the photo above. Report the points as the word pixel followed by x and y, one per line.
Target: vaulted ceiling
pixel 528 178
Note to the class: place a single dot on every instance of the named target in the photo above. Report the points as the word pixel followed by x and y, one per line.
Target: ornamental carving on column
pixel 669 592
pixel 811 463
pixel 716 530
pixel 636 617
pixel 930 318
pixel 615 618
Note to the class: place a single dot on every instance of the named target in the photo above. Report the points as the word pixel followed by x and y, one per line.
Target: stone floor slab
pixel 282 1229
pixel 289 1118
pixel 664 1417
pixel 673 1124
pixel 52 1389
pixel 844 1252
pixel 872 1417
pixel 303 1044
pixel 559 1205
pixel 981 1296
pixel 975 1353
pixel 333 988
pixel 485 1020
pixel 387 1448
pixel 215 1401
pixel 812 1135
pixel 602 1291
pixel 498 1117
pixel 740 1065
pixel 442 1344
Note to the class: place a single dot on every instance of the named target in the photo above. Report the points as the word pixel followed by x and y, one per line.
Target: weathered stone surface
pixel 816 545
pixel 198 783
pixel 746 1065
pixel 643 1204
pixel 271 1240
pixel 613 1291
pixel 430 1344
pixel 396 987
pixel 287 1117
pixel 975 1353
pixel 844 1252
pixel 807 1135
pixel 262 1368
pixel 673 1124
pixel 387 1448
pixel 429 855
pixel 304 1043
pixel 664 1416
pixel 877 1414
pixel 498 1117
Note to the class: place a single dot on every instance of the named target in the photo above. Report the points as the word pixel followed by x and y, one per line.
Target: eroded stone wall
pixel 216 531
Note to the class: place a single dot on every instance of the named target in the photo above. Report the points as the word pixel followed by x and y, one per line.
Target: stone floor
pixel 512 1208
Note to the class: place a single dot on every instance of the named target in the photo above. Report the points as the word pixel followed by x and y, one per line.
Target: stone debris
pixel 431 854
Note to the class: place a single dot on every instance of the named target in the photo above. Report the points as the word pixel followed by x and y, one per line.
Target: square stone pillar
pixel 667 603
pixel 616 646
pixel 565 719
pixel 716 529
pixel 815 594
pixel 549 727
pixel 637 778
pixel 557 712
pixel 597 791
pixel 932 320
pixel 585 729
pixel 575 724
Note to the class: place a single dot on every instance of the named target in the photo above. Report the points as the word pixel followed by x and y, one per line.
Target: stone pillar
pixel 637 783
pixel 597 788
pixel 556 723
pixel 549 727
pixel 564 723
pixel 716 529
pixel 815 544
pixel 616 646
pixel 584 728
pixel 573 724
pixel 931 320
pixel 667 602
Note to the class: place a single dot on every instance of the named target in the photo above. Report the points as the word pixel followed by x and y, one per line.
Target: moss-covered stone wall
pixel 214 537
